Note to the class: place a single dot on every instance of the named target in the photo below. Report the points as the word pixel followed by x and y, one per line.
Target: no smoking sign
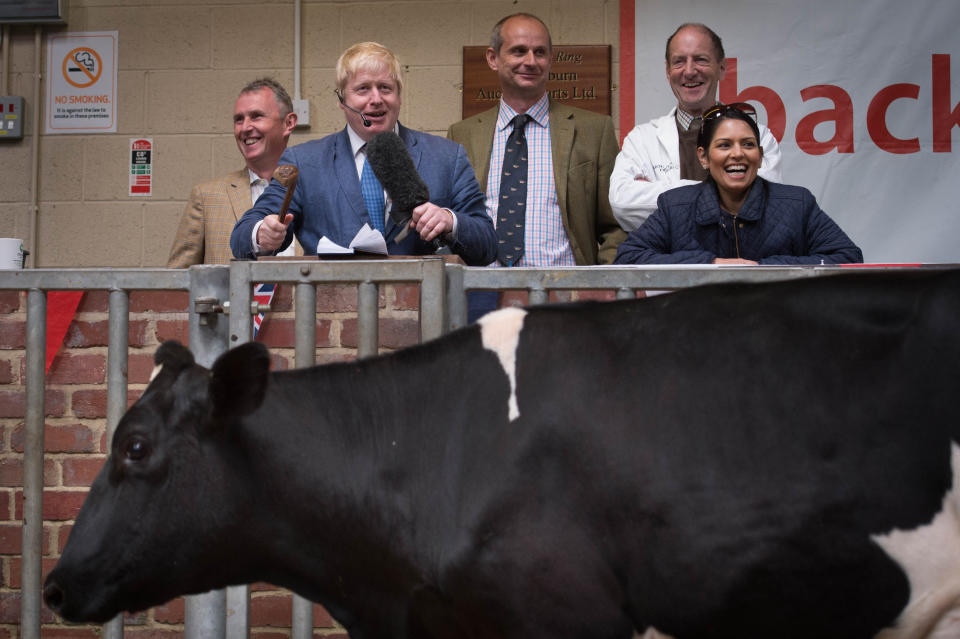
pixel 82 82
pixel 82 67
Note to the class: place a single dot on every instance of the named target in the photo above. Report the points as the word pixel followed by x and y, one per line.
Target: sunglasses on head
pixel 721 110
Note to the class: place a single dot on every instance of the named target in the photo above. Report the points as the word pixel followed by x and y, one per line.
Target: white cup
pixel 12 255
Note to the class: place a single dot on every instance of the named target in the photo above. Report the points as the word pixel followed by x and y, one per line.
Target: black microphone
pixel 391 163
pixel 365 121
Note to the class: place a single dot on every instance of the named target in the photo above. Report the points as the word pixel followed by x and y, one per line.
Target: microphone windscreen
pixel 391 163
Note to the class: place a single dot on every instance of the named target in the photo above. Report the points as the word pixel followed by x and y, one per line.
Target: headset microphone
pixel 365 121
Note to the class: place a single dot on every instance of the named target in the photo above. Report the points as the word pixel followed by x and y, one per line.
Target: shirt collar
pixel 357 143
pixel 539 113
pixel 254 177
pixel 684 119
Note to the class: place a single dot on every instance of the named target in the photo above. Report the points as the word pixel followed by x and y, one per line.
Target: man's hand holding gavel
pixel 273 230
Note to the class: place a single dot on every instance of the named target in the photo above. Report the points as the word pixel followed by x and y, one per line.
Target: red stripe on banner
pixel 140 189
pixel 61 307
pixel 628 53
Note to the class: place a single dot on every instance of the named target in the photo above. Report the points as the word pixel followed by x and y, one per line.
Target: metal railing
pixel 624 280
pixel 216 290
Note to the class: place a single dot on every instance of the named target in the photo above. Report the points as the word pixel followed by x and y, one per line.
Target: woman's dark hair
pixel 708 128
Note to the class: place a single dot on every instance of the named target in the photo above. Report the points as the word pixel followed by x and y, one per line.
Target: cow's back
pixel 727 443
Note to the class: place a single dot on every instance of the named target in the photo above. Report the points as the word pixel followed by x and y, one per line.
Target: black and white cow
pixel 771 461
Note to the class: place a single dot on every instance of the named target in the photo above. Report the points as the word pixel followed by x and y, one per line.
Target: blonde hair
pixel 368 56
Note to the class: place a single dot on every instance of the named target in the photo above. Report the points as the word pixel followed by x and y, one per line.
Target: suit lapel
pixel 668 137
pixel 562 130
pixel 239 193
pixel 481 144
pixel 346 170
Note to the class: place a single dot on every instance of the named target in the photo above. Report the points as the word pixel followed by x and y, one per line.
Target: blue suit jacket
pixel 327 200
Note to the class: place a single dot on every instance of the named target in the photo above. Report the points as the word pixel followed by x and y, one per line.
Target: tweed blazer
pixel 584 149
pixel 203 236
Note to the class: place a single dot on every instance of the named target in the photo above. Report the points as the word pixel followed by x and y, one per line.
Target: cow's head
pixel 154 523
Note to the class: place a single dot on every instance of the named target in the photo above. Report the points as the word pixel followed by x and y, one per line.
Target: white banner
pixel 863 96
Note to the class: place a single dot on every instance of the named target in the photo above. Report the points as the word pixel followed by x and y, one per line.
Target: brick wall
pixel 75 427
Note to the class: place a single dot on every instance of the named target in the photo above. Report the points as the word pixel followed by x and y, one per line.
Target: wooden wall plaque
pixel 579 76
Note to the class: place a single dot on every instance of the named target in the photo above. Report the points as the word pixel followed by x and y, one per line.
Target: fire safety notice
pixel 141 166
pixel 82 82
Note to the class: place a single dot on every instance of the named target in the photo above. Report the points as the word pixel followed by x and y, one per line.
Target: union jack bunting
pixel 262 294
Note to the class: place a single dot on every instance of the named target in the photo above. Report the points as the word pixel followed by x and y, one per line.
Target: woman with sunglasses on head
pixel 735 217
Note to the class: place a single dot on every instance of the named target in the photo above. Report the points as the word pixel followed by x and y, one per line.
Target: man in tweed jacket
pixel 572 152
pixel 263 119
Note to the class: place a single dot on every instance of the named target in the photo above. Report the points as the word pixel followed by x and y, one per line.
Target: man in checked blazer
pixel 263 119
pixel 571 153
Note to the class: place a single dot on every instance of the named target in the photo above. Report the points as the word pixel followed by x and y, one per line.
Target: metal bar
pixel 539 296
pixel 305 324
pixel 456 297
pixel 381 271
pixel 238 612
pixel 635 277
pixel 241 331
pixel 117 357
pixel 209 332
pixel 368 319
pixel 305 330
pixel 432 298
pixel 117 381
pixel 145 279
pixel 302 618
pixel 241 294
pixel 32 549
pixel 205 615
pixel 385 271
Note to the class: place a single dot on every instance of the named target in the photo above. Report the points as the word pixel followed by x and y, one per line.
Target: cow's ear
pixel 238 381
pixel 173 356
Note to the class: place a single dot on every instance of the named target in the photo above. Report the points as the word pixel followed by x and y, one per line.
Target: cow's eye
pixel 136 449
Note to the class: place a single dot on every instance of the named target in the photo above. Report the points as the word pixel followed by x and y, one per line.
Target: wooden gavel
pixel 287 175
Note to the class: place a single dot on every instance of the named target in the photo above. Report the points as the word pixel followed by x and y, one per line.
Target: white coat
pixel 649 164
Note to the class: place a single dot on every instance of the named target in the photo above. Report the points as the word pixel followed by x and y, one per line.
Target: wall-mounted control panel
pixel 11 117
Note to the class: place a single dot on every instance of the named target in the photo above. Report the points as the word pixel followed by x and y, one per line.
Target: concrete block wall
pixel 180 67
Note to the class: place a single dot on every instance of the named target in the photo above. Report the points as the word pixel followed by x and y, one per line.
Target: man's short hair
pixel 496 35
pixel 368 56
pixel 714 38
pixel 284 103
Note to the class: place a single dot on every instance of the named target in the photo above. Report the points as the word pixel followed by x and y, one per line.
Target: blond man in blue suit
pixel 328 200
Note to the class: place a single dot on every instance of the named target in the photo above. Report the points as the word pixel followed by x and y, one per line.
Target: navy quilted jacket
pixel 778 224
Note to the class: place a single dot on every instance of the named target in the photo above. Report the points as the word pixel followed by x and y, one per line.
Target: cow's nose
pixel 53 595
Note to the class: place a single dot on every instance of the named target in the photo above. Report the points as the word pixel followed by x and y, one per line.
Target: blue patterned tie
pixel 372 196
pixel 513 195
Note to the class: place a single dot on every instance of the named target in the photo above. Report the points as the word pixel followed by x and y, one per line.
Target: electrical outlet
pixel 302 109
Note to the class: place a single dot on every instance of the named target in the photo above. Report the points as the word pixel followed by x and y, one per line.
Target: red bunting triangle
pixel 61 307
